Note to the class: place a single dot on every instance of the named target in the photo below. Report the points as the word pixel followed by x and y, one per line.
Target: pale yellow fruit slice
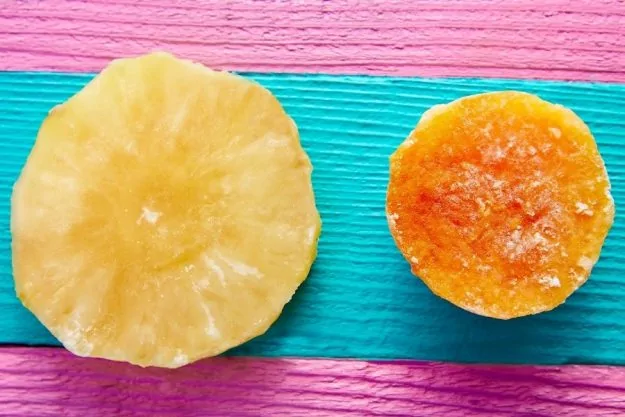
pixel 165 214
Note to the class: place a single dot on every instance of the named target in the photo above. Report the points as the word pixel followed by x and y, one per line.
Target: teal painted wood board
pixel 361 300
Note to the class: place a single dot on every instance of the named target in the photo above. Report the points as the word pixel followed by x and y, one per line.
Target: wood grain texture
pixel 51 382
pixel 552 39
pixel 361 300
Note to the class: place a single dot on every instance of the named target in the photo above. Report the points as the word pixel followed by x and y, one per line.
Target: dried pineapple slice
pixel 165 214
pixel 500 202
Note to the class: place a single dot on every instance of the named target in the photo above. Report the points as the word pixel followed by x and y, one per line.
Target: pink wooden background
pixel 550 39
pixel 547 39
pixel 51 382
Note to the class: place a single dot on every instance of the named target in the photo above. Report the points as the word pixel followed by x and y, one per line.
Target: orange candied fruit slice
pixel 500 202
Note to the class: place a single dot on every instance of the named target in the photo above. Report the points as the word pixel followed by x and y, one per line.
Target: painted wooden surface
pixel 51 382
pixel 548 39
pixel 361 300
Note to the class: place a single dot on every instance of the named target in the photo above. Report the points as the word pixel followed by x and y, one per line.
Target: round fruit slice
pixel 165 214
pixel 500 202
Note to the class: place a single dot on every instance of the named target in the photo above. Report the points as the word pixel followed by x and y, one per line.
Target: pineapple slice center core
pixel 148 215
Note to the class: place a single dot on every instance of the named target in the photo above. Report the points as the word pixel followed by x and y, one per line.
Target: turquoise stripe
pixel 361 300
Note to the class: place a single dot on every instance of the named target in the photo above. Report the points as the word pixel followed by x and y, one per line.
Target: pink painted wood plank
pixel 51 382
pixel 551 39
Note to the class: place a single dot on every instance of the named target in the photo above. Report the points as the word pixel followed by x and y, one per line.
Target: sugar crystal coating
pixel 504 201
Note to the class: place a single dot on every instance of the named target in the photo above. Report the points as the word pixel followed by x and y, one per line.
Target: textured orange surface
pixel 500 202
